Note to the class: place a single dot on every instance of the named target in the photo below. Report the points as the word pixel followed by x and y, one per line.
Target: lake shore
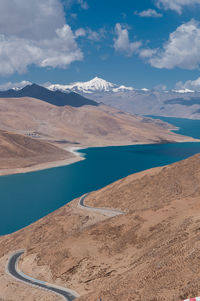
pixel 78 156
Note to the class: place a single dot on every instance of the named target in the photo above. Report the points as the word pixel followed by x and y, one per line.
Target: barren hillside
pixel 150 253
pixel 84 126
pixel 18 151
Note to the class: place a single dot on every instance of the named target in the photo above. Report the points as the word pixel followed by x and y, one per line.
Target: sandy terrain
pixel 150 253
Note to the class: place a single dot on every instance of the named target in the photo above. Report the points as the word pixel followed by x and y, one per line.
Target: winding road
pixel 104 211
pixel 12 269
pixel 69 295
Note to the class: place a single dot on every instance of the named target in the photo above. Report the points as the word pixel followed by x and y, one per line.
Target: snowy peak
pixel 94 85
pixel 182 91
pixel 122 89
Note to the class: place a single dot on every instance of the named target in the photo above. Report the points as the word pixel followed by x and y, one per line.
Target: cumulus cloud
pixel 10 85
pixel 176 5
pixel 31 19
pixel 41 37
pixel 122 42
pixel 91 34
pixel 148 13
pixel 189 84
pixel 181 50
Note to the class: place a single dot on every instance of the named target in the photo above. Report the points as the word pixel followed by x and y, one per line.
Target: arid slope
pixel 18 151
pixel 150 253
pixel 84 126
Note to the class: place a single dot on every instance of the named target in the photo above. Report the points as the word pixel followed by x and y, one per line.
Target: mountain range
pixel 94 85
pixel 174 103
pixel 56 97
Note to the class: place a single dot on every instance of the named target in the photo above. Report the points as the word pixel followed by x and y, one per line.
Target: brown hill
pixel 84 126
pixel 17 151
pixel 150 253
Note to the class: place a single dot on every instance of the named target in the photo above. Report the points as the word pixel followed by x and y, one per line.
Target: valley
pixel 67 126
pixel 110 238
pixel 99 150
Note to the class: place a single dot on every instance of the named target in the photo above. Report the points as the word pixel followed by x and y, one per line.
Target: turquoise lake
pixel 187 127
pixel 27 197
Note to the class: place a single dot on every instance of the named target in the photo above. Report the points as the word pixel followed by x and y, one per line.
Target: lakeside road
pixel 104 211
pixel 12 270
pixel 66 294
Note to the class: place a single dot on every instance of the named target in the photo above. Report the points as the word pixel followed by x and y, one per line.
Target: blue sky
pixel 141 43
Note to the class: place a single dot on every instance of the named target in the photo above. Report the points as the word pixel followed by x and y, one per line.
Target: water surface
pixel 187 127
pixel 27 197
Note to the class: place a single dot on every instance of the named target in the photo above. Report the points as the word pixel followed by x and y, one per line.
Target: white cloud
pixel 149 13
pixel 147 53
pixel 10 85
pixel 69 3
pixel 31 19
pixel 40 37
pixel 122 42
pixel 189 84
pixel 80 32
pixel 91 34
pixel 83 4
pixel 181 50
pixel 176 5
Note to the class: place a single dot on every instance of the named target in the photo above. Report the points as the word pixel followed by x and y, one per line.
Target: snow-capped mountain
pixel 175 103
pixel 94 85
pixel 182 91
pixel 57 98
pixel 14 86
pixel 183 103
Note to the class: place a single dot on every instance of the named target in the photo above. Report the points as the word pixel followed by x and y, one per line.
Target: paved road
pixel 104 211
pixel 13 271
pixel 67 294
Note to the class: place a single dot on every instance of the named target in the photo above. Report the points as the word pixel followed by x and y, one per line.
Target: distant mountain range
pixel 65 119
pixel 175 103
pixel 94 85
pixel 57 97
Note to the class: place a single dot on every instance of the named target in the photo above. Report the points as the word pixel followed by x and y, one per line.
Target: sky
pixel 138 43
